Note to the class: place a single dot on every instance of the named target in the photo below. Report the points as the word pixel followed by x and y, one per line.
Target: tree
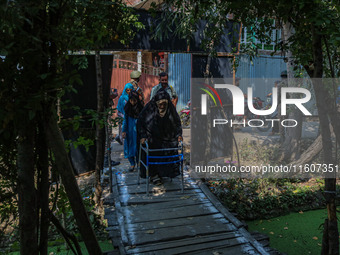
pixel 36 37
pixel 316 25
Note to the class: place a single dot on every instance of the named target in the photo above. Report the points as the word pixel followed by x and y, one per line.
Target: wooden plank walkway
pixel 172 222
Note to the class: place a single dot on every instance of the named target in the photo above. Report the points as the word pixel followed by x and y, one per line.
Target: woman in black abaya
pixel 160 125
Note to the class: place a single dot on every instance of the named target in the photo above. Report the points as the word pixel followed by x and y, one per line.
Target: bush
pixel 266 198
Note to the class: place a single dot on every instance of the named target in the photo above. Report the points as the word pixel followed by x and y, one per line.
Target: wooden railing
pixel 130 65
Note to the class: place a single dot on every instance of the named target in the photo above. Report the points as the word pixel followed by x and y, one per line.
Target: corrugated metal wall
pixel 179 67
pixel 263 69
pixel 261 73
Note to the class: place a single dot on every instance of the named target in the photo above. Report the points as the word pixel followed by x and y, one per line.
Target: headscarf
pixel 133 110
pixel 124 98
pixel 162 112
pixel 154 127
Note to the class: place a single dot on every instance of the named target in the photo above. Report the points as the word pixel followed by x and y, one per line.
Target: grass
pixel 60 249
pixel 296 233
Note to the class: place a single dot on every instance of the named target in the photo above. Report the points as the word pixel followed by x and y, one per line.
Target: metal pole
pixel 147 168
pixel 139 158
pixel 181 168
pixel 109 155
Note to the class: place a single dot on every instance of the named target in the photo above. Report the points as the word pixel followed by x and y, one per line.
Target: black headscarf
pixel 156 128
pixel 133 110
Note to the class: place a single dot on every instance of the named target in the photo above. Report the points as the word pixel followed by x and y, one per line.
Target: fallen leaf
pixel 272 233
pixel 190 218
pixel 315 238
pixel 185 197
pixel 319 244
pixel 285 228
pixel 134 205
pixel 194 199
pixel 216 253
pixel 161 223
pixel 301 212
pixel 151 231
pixel 263 228
pixel 294 241
pixel 280 236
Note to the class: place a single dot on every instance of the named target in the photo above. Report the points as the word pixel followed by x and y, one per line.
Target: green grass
pixel 296 233
pixel 60 249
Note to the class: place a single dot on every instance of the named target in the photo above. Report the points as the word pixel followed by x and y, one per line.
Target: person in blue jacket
pixel 121 104
pixel 132 109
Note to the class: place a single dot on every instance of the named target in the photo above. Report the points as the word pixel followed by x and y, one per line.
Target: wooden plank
pixel 135 216
pixel 253 241
pixel 182 242
pixel 219 206
pixel 120 218
pixel 109 200
pixel 131 179
pixel 155 198
pixel 169 222
pixel 231 218
pixel 151 225
pixel 227 244
pixel 108 212
pixel 177 232
pixel 245 248
pixel 112 221
pixel 170 204
pixel 140 189
pixel 114 252
pixel 114 234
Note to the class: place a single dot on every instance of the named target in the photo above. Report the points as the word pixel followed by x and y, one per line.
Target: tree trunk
pixel 108 151
pixel 64 167
pixel 67 236
pixel 313 150
pixel 325 246
pixel 27 191
pixel 207 152
pixel 330 180
pixel 290 148
pixel 100 135
pixel 43 168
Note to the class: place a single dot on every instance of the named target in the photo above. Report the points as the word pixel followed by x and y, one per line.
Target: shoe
pixel 157 181
pixel 115 163
pixel 132 168
pixel 118 140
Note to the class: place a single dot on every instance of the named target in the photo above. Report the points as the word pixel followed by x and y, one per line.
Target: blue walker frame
pixel 147 163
